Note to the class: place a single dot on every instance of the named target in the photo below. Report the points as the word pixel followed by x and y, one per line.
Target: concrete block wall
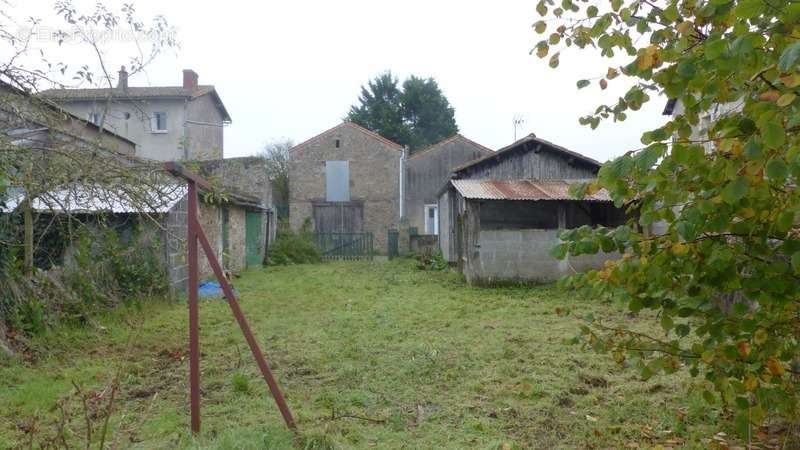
pixel 209 216
pixel 175 224
pixel 524 256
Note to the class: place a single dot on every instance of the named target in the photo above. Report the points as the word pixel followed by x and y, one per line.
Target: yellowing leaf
pixel 750 382
pixel 612 73
pixel 769 96
pixel 746 213
pixel 679 249
pixel 791 81
pixel 743 347
pixel 786 99
pixel 684 27
pixel 760 336
pixel 775 367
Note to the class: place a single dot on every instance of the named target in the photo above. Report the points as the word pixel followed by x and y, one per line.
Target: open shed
pixel 501 215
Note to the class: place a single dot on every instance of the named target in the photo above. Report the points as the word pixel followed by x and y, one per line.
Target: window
pixel 158 122
pixel 94 117
pixel 338 143
pixel 432 219
pixel 337 181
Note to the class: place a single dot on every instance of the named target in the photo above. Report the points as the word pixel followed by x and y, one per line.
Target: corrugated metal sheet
pixel 92 199
pixel 522 190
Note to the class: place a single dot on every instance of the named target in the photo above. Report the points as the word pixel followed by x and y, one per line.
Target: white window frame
pixel 426 211
pixel 154 123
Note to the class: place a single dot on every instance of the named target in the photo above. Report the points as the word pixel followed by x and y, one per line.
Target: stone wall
pixel 374 177
pixel 247 175
pixel 523 256
pixel 236 252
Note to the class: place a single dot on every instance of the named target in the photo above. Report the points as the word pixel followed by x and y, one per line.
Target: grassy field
pixel 375 355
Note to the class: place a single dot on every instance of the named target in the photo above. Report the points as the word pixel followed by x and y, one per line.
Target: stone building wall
pixel 374 165
pixel 247 175
pixel 236 239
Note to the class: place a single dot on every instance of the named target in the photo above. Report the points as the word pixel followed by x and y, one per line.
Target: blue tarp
pixel 212 289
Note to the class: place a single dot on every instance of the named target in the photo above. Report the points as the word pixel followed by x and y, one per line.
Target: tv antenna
pixel 518 121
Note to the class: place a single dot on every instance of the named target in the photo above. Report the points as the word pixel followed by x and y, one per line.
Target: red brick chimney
pixel 189 79
pixel 122 81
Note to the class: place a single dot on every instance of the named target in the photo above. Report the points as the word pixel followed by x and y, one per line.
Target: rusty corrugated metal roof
pixel 523 190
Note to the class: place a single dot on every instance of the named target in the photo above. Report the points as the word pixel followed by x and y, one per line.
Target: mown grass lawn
pixel 377 355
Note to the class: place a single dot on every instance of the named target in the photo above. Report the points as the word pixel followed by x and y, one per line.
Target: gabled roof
pixel 138 93
pixel 523 190
pixel 431 148
pixel 530 142
pixel 353 126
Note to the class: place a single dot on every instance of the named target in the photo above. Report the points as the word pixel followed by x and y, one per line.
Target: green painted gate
pixel 252 239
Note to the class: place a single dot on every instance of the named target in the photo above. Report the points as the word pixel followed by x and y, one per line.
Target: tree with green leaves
pixel 417 115
pixel 723 272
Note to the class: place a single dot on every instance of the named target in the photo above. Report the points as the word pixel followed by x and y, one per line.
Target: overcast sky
pixel 291 69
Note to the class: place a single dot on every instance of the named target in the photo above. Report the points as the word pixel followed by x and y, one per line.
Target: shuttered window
pixel 337 181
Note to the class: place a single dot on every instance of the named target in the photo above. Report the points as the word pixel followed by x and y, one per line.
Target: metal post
pixel 248 335
pixel 194 341
pixel 194 234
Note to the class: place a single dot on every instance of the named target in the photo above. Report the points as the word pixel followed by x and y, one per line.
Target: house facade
pixel 424 173
pixel 501 214
pixel 167 123
pixel 346 180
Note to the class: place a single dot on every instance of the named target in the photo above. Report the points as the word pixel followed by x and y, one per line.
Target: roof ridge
pixel 354 126
pixel 529 138
pixel 373 134
pixel 447 140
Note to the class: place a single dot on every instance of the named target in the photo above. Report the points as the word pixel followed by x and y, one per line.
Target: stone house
pixel 167 123
pixel 425 171
pixel 501 214
pixel 346 179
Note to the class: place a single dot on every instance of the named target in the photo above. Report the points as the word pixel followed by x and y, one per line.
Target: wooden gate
pixel 348 246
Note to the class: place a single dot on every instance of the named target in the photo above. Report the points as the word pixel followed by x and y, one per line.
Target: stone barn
pixel 425 171
pixel 501 214
pixel 346 180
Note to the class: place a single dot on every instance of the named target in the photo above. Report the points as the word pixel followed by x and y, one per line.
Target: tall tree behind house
pixel 418 115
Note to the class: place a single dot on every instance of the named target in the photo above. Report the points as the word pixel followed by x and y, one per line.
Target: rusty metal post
pixel 194 234
pixel 248 335
pixel 194 335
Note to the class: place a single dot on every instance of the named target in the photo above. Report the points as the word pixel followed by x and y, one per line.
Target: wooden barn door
pixel 338 217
